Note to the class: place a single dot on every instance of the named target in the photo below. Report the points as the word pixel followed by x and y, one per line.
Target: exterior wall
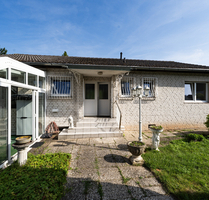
pixel 66 106
pixel 169 108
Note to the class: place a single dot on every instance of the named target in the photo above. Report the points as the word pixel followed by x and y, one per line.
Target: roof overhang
pixel 118 68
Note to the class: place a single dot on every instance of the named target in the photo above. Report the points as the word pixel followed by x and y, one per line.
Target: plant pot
pixel 23 139
pixel 136 152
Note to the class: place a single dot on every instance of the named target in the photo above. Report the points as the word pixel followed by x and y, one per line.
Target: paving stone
pixel 146 182
pixel 94 141
pixel 136 191
pixel 120 140
pixel 162 197
pixel 76 188
pixel 85 141
pixel 154 190
pixel 103 153
pixel 108 141
pixel 106 162
pixel 115 190
pixel 84 174
pixel 107 174
pixel 136 172
pixel 93 191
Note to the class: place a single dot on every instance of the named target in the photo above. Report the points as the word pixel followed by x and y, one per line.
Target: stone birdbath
pixel 21 145
pixel 156 130
pixel 136 148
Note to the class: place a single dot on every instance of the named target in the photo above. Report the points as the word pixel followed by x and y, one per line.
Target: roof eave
pixel 118 67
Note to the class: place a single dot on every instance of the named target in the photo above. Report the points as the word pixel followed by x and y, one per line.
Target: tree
pixel 3 51
pixel 64 54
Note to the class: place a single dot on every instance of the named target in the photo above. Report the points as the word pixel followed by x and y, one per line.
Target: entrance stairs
pixel 93 127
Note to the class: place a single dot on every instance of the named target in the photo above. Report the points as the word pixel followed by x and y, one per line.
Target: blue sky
pixel 174 30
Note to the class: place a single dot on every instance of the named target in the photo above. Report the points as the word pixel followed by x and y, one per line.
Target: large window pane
pixel 32 79
pixel 3 124
pixel 201 91
pixel 17 76
pixel 61 87
pixel 41 82
pixel 125 88
pixel 189 91
pixel 21 113
pixel 103 91
pixel 3 73
pixel 89 91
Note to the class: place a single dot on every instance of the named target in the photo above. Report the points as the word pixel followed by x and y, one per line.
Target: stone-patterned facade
pixel 168 109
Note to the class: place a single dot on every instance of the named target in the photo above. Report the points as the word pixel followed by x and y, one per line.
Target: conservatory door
pixel 3 123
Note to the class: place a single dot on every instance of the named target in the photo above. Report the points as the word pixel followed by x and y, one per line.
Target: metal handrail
pixel 120 114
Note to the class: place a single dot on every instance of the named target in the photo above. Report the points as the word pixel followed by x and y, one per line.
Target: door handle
pixel 23 117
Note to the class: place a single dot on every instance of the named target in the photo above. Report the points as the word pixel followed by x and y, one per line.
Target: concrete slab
pixel 109 174
pixel 115 190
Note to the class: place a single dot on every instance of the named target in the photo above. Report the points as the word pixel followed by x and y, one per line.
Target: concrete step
pixel 65 136
pixel 98 119
pixel 96 124
pixel 91 129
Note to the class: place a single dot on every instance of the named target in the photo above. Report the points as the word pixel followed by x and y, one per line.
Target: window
pixel 32 79
pixel 18 76
pixel 41 82
pixel 195 91
pixel 3 73
pixel 151 83
pixel 127 83
pixel 60 86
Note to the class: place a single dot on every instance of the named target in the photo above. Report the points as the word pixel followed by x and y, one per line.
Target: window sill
pixel 126 98
pixel 195 102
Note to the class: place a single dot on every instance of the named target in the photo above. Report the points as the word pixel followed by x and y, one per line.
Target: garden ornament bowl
pixel 23 139
pixel 137 149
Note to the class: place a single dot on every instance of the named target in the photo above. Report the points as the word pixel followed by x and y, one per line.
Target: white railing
pixel 118 115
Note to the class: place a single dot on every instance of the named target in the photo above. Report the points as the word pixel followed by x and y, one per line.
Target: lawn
pixel 183 167
pixel 42 177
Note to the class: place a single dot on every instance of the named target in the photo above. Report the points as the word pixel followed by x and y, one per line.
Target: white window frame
pixel 153 83
pixel 131 81
pixel 51 87
pixel 194 92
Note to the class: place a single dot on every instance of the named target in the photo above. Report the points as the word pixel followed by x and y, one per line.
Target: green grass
pixel 183 167
pixel 42 177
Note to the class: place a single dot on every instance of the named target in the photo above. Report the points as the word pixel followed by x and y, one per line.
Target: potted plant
pixel 156 130
pixel 137 149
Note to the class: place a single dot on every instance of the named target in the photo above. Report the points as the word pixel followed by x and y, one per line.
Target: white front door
pixel 97 99
pixel 90 99
pixel 104 99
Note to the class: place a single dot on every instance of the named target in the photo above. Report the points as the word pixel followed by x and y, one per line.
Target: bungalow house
pixel 97 94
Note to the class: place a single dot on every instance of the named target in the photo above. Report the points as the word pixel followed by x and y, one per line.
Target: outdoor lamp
pixel 138 90
pixel 134 91
pixel 146 91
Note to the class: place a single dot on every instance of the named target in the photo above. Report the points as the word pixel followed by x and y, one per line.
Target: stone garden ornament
pixel 156 130
pixel 70 122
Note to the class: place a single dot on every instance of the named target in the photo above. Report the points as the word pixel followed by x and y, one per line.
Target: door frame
pixel 97 96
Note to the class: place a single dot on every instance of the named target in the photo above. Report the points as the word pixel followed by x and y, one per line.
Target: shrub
pixel 207 122
pixel 194 137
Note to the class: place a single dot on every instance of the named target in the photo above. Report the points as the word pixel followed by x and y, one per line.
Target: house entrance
pixel 97 99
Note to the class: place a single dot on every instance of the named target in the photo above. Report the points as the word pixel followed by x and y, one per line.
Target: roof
pixel 111 62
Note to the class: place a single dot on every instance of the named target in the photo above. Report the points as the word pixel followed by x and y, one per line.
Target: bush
pixel 194 137
pixel 207 122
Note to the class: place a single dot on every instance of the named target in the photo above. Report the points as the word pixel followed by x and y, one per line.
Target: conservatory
pixel 22 104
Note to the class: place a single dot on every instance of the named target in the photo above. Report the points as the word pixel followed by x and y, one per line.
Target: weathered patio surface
pixel 99 166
